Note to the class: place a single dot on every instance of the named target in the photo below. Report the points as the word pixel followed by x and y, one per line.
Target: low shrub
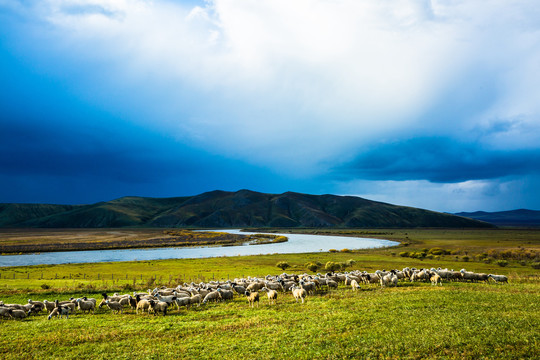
pixel 283 265
pixel 501 263
pixel 404 254
pixel 312 267
pixel 535 265
pixel 45 286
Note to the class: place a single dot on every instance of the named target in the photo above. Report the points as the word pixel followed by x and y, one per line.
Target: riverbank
pixel 26 241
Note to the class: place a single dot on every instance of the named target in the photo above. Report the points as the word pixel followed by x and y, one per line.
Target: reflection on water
pixel 298 243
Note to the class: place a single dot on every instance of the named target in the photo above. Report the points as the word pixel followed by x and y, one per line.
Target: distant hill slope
pixel 521 217
pixel 243 208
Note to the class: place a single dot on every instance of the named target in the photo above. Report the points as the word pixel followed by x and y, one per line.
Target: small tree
pixel 283 265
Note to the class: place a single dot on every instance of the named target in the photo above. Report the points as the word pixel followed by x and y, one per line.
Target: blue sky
pixel 432 104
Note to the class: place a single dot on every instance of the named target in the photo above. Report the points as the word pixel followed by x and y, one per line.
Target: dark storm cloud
pixel 439 160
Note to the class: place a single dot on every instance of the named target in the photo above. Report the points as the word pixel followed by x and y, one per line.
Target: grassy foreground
pixel 455 321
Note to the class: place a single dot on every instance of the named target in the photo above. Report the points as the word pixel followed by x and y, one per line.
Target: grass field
pixel 414 320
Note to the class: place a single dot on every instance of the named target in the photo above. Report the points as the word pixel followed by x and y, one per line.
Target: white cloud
pixel 299 84
pixel 485 195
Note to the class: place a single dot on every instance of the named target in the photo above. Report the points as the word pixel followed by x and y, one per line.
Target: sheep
pixel 182 301
pixel 389 278
pixel 435 279
pixel 271 285
pixel 158 306
pixel 59 311
pixel 71 306
pixel 17 313
pixel 39 306
pixel 4 311
pixel 115 306
pixel 354 285
pixel 195 299
pixel 309 287
pixel 299 293
pixel 212 296
pixel 169 299
pixel 86 305
pixel 142 305
pixel 498 278
pixel 331 284
pixel 256 286
pixel 271 294
pixel 239 289
pixel 226 294
pixel 252 297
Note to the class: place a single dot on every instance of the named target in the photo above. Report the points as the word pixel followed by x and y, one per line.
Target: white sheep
pixel 498 278
pixel 115 306
pixel 212 296
pixel 354 285
pixel 299 293
pixel 158 306
pixel 271 294
pixel 85 306
pixel 17 313
pixel 436 279
pixel 252 297
pixel 143 305
pixel 59 311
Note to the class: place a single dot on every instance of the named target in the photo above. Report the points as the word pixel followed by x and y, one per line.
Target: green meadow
pixel 413 320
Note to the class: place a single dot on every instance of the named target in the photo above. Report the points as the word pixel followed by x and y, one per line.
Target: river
pixel 298 243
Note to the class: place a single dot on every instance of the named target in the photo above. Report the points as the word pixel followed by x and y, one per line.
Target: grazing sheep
pixel 38 305
pixel 256 286
pixel 158 306
pixel 115 306
pixel 143 305
pixel 4 311
pixel 17 313
pixel 182 301
pixel 299 293
pixel 212 296
pixel 331 284
pixel 59 311
pixel 436 279
pixel 238 289
pixel 271 294
pixel 226 294
pixel 273 285
pixel 195 299
pixel 354 285
pixel 252 297
pixel 498 278
pixel 85 306
pixel 310 287
pixel 169 299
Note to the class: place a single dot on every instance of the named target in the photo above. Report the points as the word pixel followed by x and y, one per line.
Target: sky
pixel 432 104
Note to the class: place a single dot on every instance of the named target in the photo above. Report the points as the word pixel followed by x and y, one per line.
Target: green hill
pixel 243 208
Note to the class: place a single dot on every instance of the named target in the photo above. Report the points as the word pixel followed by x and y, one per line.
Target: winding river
pixel 298 243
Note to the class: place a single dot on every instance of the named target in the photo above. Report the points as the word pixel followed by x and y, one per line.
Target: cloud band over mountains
pixel 312 96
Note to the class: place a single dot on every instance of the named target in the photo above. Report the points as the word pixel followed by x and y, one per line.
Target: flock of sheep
pixel 161 300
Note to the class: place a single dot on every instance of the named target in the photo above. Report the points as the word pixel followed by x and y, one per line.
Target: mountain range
pixel 222 209
pixel 520 217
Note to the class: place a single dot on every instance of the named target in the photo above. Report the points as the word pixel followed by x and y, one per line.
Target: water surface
pixel 298 243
